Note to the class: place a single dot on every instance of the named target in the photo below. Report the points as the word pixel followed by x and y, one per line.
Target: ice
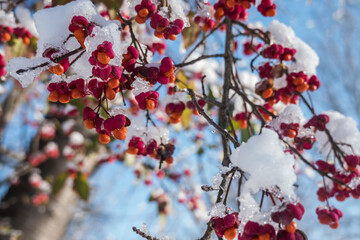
pixel 306 58
pixel 343 130
pixel 15 68
pixel 145 229
pixel 218 210
pixel 263 157
pixel 23 14
pixel 216 181
pixel 140 85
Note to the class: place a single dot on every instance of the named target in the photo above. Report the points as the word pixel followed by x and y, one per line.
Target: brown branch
pixel 221 130
pixel 183 64
pixel 144 235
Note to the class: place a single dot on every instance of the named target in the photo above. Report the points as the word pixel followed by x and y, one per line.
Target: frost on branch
pixel 263 157
pixel 26 78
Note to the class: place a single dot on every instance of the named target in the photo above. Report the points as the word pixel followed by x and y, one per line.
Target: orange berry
pixel 271 101
pixel 230 233
pixel 230 3
pixel 113 83
pixel 76 93
pixel 110 93
pixel 103 58
pixel 169 160
pixel 104 138
pixel 265 236
pixel 298 81
pixel 127 57
pixel 340 198
pixel 150 104
pixel 291 228
pixel 302 88
pixel 174 120
pixel 270 13
pixel 64 98
pixel 53 96
pixel 26 40
pixel 267 93
pixel 80 35
pixel 169 73
pixel 285 99
pixel 160 29
pixel 139 19
pixel 291 133
pixel 6 37
pixel 196 112
pixel 89 123
pixel 132 150
pixel 267 117
pixel 243 123
pixel 313 87
pixel 334 225
pixel 172 79
pixel 143 12
pixel 120 133
pixel 176 114
pixel 287 57
pixel 206 27
pixel 245 4
pixel 57 69
pixel 321 198
pixel 158 34
pixel 219 14
pixel 172 37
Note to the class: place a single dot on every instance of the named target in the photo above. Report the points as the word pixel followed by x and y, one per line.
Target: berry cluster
pixel 267 8
pixel 164 28
pixel 19 32
pixel 61 66
pixel 241 119
pixel 113 126
pixel 231 9
pixel 190 105
pixel 64 92
pixel 254 230
pixel 276 51
pixel 175 110
pixel 100 59
pixel 81 28
pixel 329 216
pixel 226 226
pixel 205 22
pixel 145 10
pixel 250 48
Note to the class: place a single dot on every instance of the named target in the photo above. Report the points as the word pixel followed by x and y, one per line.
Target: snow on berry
pixel 344 130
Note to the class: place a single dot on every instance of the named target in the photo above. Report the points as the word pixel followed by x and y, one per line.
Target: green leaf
pixel 245 135
pixel 59 182
pixel 191 34
pixel 81 186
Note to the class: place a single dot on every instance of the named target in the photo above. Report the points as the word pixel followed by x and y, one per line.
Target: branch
pixel 144 235
pixel 222 131
pixel 183 64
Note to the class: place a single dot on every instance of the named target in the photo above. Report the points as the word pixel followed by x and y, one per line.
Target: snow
pixel 306 58
pixel 23 14
pixel 343 130
pixel 263 155
pixel 291 114
pixel 76 139
pixel 7 19
pixel 52 23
